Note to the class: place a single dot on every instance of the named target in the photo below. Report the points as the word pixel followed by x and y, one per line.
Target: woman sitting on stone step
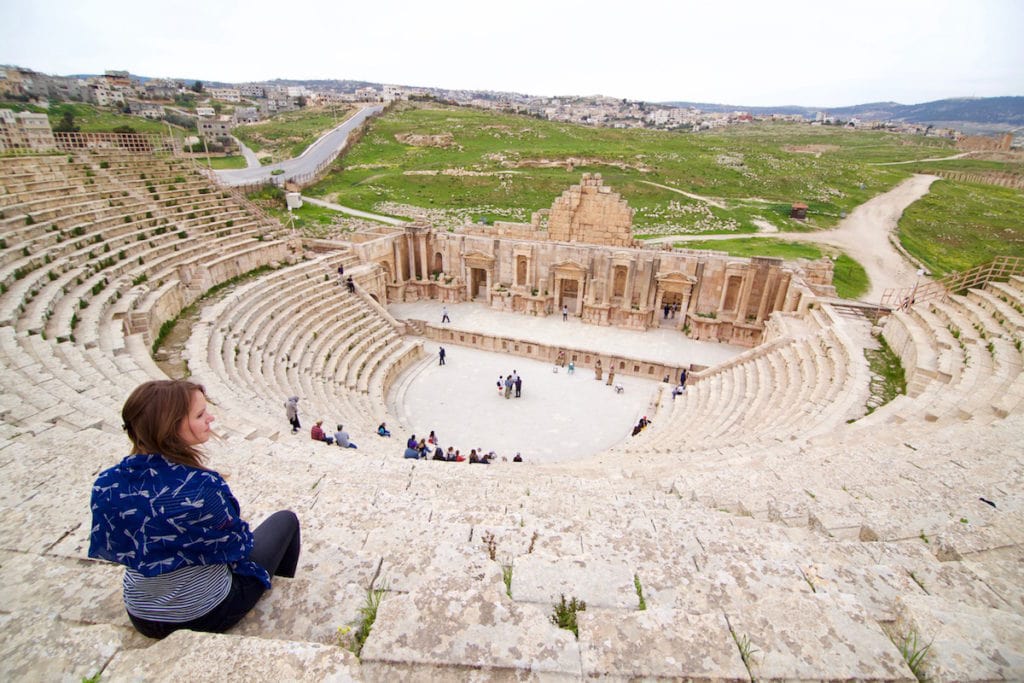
pixel 191 560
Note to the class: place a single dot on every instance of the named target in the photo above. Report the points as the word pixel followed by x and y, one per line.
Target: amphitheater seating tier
pixel 768 538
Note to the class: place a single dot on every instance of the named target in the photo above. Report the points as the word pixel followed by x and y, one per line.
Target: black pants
pixel 276 549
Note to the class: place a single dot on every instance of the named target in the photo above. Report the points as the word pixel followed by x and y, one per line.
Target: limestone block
pixel 189 655
pixel 966 643
pixel 304 609
pixel 407 569
pixel 595 580
pixel 473 631
pixel 732 579
pixel 799 637
pixel 876 586
pixel 43 647
pixel 1005 578
pixel 659 643
pixel 80 590
pixel 1001 538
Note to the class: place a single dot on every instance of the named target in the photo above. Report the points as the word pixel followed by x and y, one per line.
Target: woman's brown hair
pixel 152 416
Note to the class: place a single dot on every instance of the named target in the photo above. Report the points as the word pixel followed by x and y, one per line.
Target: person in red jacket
pixel 317 433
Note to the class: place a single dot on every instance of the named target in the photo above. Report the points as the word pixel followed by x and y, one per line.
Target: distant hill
pixel 1002 111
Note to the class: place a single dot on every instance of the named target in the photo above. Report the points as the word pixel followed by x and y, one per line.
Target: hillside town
pixel 216 108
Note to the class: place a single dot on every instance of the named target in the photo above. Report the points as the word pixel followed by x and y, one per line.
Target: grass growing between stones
pixel 888 379
pixel 506 576
pixel 368 615
pixel 913 650
pixel 564 615
pixel 639 593
pixel 747 651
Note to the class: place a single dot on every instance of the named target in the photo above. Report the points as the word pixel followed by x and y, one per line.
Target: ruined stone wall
pixel 590 212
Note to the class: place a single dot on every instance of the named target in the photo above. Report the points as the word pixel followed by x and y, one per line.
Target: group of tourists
pixel 316 432
pixel 509 383
pixel 560 363
pixel 429 448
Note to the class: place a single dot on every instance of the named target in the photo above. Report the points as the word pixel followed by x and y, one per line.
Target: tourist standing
pixel 565 313
pixel 440 355
pixel 291 411
pixel 444 315
pixel 519 384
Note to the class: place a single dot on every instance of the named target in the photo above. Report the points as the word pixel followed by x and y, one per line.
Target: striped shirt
pixel 178 596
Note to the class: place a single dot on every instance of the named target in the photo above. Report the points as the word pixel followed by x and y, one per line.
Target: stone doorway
pixel 569 294
pixel 478 284
pixel 672 299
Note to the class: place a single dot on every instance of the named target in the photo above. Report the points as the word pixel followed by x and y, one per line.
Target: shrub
pixel 29 220
pixel 104 164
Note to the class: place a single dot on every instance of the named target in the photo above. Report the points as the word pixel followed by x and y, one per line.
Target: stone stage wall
pixel 584 359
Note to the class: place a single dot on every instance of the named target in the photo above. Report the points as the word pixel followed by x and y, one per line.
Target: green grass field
pixel 849 277
pixel 287 135
pixel 518 164
pixel 957 225
pixel 221 163
pixel 95 120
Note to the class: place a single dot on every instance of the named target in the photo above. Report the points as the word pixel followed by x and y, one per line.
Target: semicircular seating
pixel 749 512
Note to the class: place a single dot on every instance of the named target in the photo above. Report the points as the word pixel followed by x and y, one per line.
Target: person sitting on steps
pixel 191 561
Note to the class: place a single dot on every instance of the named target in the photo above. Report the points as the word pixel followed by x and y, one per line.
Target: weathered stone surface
pixel 659 643
pixel 876 586
pixel 82 590
pixel 187 655
pixel 468 629
pixel 810 637
pixel 304 609
pixel 43 647
pixel 965 643
pixel 598 582
pixel 1005 578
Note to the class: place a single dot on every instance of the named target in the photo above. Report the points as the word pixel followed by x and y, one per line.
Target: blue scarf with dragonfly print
pixel 156 516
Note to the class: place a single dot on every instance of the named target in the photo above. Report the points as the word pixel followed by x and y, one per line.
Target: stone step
pixel 187 655
pixel 963 643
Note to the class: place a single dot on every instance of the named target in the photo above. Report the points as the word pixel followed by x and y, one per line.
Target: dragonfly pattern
pixel 196 521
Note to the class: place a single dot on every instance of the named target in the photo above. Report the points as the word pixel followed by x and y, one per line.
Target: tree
pixel 67 123
pixel 301 101
pixel 197 86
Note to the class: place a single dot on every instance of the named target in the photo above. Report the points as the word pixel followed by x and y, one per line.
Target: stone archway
pixel 438 263
pixel 520 270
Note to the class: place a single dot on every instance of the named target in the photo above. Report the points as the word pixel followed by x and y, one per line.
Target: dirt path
pixel 865 235
pixel 708 200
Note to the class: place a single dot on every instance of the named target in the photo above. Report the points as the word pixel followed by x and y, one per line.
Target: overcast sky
pixel 764 52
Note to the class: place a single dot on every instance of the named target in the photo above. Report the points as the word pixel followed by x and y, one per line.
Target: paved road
pixel 251 160
pixel 315 154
